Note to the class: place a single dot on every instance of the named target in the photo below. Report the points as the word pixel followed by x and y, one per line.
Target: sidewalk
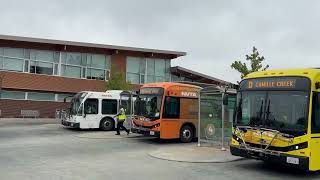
pixel 5 121
pixel 193 154
pixel 110 135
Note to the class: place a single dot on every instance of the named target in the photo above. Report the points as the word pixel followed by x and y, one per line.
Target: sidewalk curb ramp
pixel 193 154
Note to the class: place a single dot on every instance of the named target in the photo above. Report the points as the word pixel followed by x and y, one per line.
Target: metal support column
pixel 222 124
pixel 199 114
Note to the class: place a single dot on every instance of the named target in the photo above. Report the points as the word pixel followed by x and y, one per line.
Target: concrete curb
pixel 186 161
pixel 209 155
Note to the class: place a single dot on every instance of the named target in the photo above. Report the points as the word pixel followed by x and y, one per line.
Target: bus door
pixel 90 112
pixel 127 102
pixel 315 131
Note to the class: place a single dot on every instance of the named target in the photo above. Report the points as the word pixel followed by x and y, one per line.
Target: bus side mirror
pixel 317 85
pixel 225 99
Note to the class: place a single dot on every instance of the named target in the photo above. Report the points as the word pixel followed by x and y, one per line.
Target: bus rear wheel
pixel 186 134
pixel 107 124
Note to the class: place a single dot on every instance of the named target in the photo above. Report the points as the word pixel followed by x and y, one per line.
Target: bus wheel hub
pixel 186 133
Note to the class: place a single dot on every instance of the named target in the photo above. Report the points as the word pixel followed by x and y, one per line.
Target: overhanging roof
pixel 82 44
pixel 177 70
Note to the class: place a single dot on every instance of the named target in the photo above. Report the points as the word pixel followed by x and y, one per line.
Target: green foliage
pixel 117 81
pixel 255 61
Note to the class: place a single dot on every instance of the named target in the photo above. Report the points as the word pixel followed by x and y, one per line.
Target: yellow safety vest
pixel 122 116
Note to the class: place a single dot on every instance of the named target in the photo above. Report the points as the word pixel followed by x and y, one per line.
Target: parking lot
pixel 49 151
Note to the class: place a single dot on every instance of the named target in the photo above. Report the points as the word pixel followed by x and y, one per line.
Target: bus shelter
pixel 127 99
pixel 215 117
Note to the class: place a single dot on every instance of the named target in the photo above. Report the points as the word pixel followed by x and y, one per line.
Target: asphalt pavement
pixel 49 151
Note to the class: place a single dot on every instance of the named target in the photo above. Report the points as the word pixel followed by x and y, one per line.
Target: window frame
pixel 84 106
pixel 116 106
pixel 47 93
pixel 142 75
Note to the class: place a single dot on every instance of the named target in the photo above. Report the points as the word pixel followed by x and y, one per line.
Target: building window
pixel 41 55
pixel 13 52
pixel 71 71
pixel 37 96
pixel 41 96
pixel 136 70
pixel 109 106
pixel 158 70
pixel 96 74
pixel 38 67
pixel 82 65
pixel 61 97
pixel 13 64
pixel 17 95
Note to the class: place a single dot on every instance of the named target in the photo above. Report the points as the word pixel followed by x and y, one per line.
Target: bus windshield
pixel 285 111
pixel 76 102
pixel 148 105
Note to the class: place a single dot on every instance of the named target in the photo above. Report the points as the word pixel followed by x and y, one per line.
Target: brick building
pixel 37 74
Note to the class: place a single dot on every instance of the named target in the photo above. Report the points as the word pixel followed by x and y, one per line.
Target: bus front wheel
pixel 186 134
pixel 107 124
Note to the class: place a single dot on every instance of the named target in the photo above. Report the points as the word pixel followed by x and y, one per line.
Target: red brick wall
pixel 12 108
pixel 33 82
pixel 119 62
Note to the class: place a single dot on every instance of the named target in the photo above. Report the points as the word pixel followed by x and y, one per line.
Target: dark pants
pixel 120 126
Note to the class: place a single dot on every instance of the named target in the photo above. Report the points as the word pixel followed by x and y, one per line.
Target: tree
pixel 117 81
pixel 255 61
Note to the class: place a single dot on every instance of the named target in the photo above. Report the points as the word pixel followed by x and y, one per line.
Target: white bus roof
pixel 110 94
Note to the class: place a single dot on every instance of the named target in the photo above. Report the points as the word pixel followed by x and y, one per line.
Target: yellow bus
pixel 277 118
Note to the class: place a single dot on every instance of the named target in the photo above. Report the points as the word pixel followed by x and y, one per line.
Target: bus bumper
pixel 70 124
pixel 146 132
pixel 284 159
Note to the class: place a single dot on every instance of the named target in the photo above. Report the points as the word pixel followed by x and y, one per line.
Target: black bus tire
pixel 186 134
pixel 107 124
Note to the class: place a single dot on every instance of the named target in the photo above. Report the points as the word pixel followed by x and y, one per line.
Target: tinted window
pixel 126 104
pixel 91 106
pixel 109 106
pixel 316 114
pixel 171 107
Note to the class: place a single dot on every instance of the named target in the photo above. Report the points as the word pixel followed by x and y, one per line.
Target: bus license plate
pixel 291 160
pixel 152 133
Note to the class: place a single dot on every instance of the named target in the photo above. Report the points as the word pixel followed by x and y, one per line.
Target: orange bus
pixel 167 110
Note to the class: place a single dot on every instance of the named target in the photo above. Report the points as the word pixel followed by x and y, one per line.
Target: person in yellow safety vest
pixel 121 118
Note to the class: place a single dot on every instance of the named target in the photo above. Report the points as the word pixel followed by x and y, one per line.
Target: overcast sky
pixel 213 33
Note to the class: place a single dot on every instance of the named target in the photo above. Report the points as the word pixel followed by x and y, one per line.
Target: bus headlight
pixel 156 125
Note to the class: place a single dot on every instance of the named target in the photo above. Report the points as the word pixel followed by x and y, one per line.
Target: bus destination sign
pixel 151 90
pixel 280 83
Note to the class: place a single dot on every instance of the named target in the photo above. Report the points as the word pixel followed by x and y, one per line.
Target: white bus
pixel 91 110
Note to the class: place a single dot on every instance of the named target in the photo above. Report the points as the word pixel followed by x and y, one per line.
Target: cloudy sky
pixel 213 33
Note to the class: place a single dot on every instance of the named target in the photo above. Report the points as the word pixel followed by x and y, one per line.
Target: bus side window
pixel 315 123
pixel 171 107
pixel 126 104
pixel 109 106
pixel 91 106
